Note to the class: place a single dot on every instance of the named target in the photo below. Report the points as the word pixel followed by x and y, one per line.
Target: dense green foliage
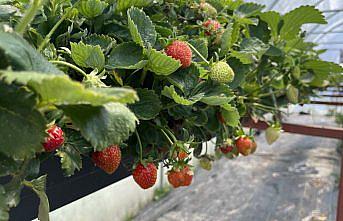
pixel 97 68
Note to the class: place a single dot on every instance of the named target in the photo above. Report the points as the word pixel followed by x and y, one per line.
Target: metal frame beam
pixel 320 131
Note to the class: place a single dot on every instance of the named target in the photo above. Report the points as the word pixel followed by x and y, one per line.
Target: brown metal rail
pixel 331 95
pixel 320 131
pixel 333 103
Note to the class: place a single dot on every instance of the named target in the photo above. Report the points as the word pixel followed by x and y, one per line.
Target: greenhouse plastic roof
pixel 328 36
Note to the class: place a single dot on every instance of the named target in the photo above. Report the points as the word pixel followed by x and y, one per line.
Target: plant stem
pixel 28 17
pixel 48 36
pixel 164 133
pixel 71 66
pixel 198 53
pixel 140 146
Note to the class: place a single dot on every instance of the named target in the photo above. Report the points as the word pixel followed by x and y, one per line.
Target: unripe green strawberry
pixel 221 72
pixel 292 94
pixel 205 163
pixel 272 134
pixel 208 9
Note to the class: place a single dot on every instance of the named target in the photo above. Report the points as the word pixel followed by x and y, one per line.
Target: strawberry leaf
pixel 87 56
pixel 38 186
pixel 230 115
pixel 272 18
pixel 162 64
pixel 70 159
pixel 22 56
pixel 141 28
pixel 19 118
pixel 148 106
pixel 172 94
pixel 104 41
pixel 293 20
pixel 91 8
pixel 119 58
pixel 104 125
pixel 123 5
pixel 69 92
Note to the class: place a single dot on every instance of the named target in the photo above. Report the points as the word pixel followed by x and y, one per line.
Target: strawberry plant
pixel 149 79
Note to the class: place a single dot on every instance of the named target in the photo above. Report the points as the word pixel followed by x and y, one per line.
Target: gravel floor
pixel 295 179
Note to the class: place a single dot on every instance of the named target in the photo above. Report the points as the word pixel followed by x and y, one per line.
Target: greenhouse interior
pixel 171 110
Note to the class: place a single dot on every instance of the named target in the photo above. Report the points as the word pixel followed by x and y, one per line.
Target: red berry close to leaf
pixel 180 50
pixel 183 177
pixel 226 148
pixel 212 26
pixel 145 176
pixel 108 159
pixel 182 155
pixel 244 145
pixel 54 140
pixel 187 176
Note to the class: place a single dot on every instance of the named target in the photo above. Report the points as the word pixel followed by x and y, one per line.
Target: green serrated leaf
pixel 272 18
pixel 104 41
pixel 162 64
pixel 185 79
pixel 87 56
pixel 38 186
pixel 172 94
pixel 148 106
pixel 293 20
pixel 320 67
pixel 22 56
pixel 201 45
pixel 19 118
pixel 123 5
pixel 70 159
pixel 102 126
pixel 69 92
pixel 226 40
pixel 141 28
pixel 121 59
pixel 91 8
pixel 250 49
pixel 248 9
pixel 8 165
pixel 230 115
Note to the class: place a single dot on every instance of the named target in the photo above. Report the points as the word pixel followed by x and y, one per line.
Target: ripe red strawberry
pixel 183 177
pixel 180 50
pixel 175 178
pixel 244 145
pixel 145 176
pixel 108 159
pixel 212 26
pixel 54 140
pixel 187 176
pixel 226 148
pixel 182 155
